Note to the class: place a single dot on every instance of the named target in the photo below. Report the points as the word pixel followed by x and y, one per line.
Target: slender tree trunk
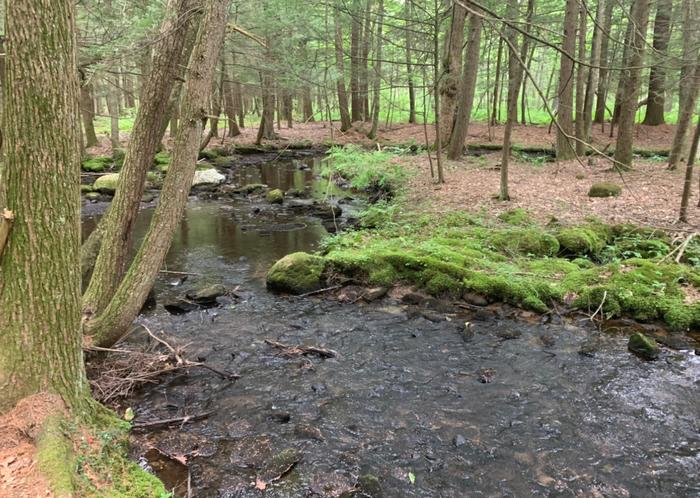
pixel 345 123
pixel 687 183
pixel 580 84
pixel 593 71
pixel 377 74
pixel 624 63
pixel 113 108
pixel 266 130
pixel 451 70
pixel 230 101
pixel 657 76
pixel 87 109
pixel 565 147
pixel 497 81
pixel 128 90
pixel 307 105
pixel 467 89
pixel 409 63
pixel 685 115
pixel 631 83
pixel 604 76
pixel 515 72
pixel 364 61
pixel 116 225
pixel 525 49
pixel 107 327
pixel 289 108
pixel 39 273
pixel 355 54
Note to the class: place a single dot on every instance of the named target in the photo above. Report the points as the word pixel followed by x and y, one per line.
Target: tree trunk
pixel 409 63
pixel 107 327
pixel 377 74
pixel 87 109
pixel 364 61
pixel 624 63
pixel 355 54
pixel 497 81
pixel 657 76
pixel 515 72
pixel 128 90
pixel 524 55
pixel 146 135
pixel 565 148
pixel 691 86
pixel 580 84
pixel 266 130
pixel 113 108
pixel 593 71
pixel 687 183
pixel 604 76
pixel 307 104
pixel 466 90
pixel 39 273
pixel 631 83
pixel 345 123
pixel 230 101
pixel 451 70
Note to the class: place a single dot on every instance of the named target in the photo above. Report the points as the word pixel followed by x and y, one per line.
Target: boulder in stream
pixel 296 273
pixel 206 294
pixel 207 177
pixel 643 346
pixel 107 184
pixel 275 196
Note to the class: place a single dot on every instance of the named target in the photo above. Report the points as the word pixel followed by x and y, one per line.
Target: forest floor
pixel 650 195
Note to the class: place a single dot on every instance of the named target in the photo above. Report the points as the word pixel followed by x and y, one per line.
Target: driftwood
pixel 171 421
pixel 7 218
pixel 301 350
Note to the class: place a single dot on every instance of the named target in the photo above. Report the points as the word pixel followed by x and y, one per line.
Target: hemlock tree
pixel 39 271
pixel 565 148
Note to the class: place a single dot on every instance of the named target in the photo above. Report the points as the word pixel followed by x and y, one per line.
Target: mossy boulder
pixel 96 164
pixel 517 216
pixel 206 294
pixel 526 241
pixel 275 196
pixel 296 273
pixel 585 239
pixel 643 346
pixel 207 177
pixel 92 196
pixel 604 189
pixel 107 184
pixel 251 188
pixel 208 154
pixel 86 188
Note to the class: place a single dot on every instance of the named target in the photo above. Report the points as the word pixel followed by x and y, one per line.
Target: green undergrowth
pixel 92 461
pixel 375 171
pixel 515 260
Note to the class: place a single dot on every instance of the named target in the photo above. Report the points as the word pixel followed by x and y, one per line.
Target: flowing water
pixel 404 400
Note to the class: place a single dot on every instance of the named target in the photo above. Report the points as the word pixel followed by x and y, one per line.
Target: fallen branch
pixel 320 291
pixel 7 218
pixel 680 249
pixel 301 350
pixel 171 421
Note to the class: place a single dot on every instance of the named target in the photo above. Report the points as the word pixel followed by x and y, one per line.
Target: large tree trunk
pixel 345 123
pixel 409 63
pixel 515 72
pixel 107 327
pixel 266 130
pixel 631 83
pixel 117 224
pixel 451 70
pixel 466 90
pixel 307 104
pixel 87 109
pixel 565 147
pixel 593 71
pixel 377 74
pixel 657 76
pixel 39 273
pixel 604 76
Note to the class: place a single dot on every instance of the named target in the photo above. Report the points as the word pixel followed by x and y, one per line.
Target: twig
pixel 320 291
pixel 169 421
pixel 170 272
pixel 605 295
pixel 302 350
pixel 680 249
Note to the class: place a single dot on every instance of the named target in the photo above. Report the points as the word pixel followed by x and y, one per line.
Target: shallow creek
pixel 404 400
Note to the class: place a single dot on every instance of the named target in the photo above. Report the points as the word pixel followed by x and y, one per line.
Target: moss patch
pixel 604 189
pixel 97 164
pixel 296 273
pixel 275 196
pixel 55 456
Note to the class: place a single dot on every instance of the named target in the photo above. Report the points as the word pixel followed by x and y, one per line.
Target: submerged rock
pixel 275 196
pixel 604 189
pixel 107 184
pixel 207 177
pixel 206 294
pixel 296 273
pixel 370 485
pixel 179 306
pixel 643 346
pixel 315 208
pixel 251 188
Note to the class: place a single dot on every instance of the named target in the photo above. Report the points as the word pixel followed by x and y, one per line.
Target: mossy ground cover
pixel 623 269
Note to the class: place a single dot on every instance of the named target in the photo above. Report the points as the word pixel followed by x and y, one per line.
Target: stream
pixel 411 406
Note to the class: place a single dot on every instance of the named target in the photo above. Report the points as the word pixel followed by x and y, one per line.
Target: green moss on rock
pixel 643 346
pixel 526 241
pixel 604 189
pixel 517 216
pixel 584 239
pixel 296 273
pixel 96 164
pixel 107 184
pixel 275 196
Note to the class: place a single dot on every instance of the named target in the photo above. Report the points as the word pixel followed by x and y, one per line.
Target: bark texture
pixel 345 122
pixel 565 147
pixel 657 76
pixel 451 70
pixel 39 271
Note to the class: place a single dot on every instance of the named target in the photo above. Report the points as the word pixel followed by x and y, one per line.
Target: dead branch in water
pixel 171 421
pixel 129 366
pixel 301 350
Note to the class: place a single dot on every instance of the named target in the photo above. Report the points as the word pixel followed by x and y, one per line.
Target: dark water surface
pixel 403 397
